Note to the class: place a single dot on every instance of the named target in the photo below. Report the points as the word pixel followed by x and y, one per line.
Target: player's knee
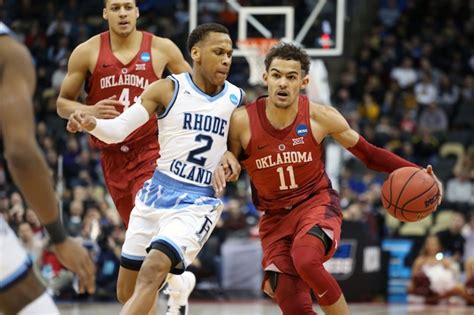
pixel 124 293
pixel 308 263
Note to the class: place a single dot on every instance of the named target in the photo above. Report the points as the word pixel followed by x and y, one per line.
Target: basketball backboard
pixel 317 25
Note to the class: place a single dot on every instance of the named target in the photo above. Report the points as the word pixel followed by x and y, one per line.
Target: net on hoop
pixel 255 50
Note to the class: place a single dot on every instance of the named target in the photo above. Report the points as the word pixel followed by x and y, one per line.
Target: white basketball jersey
pixel 193 130
pixel 4 30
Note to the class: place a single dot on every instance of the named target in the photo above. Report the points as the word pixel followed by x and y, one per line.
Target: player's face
pixel 214 55
pixel 122 16
pixel 284 81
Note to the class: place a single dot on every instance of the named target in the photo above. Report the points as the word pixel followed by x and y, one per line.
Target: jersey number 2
pixel 193 154
pixel 281 173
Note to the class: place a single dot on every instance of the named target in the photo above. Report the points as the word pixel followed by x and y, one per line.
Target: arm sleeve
pixel 117 129
pixel 378 159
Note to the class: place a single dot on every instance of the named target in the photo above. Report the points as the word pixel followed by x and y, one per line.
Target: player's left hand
pixel 228 170
pixel 78 121
pixel 429 170
pixel 231 167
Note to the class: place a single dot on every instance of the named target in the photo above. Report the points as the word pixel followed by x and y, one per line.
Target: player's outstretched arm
pixel 373 157
pixel 78 68
pixel 25 160
pixel 154 99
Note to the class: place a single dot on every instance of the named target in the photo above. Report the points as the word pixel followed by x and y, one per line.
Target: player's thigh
pixel 20 293
pixel 186 231
pixel 143 225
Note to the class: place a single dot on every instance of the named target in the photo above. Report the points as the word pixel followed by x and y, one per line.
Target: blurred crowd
pixel 409 89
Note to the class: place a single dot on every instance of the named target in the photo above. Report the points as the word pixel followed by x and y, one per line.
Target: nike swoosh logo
pixel 261 147
pixel 322 294
pixel 105 65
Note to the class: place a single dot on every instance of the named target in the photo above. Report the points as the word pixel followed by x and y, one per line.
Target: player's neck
pixel 204 85
pixel 280 118
pixel 125 42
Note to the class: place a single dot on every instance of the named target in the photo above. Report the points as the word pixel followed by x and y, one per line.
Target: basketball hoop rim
pixel 261 45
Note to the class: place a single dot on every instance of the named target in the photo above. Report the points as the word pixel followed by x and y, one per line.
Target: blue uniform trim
pixel 17 275
pixel 242 98
pixel 174 184
pixel 133 257
pixel 173 99
pixel 208 97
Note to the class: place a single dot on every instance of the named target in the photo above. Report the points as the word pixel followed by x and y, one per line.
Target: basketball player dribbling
pixel 116 66
pixel 21 292
pixel 176 210
pixel 278 139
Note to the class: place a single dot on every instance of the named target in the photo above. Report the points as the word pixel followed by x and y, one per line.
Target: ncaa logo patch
pixel 233 98
pixel 301 130
pixel 145 56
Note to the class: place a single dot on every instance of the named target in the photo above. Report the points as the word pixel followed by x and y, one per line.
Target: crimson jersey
pixel 111 77
pixel 286 166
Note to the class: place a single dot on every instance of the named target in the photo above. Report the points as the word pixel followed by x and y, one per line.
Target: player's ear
pixel 305 81
pixel 265 78
pixel 196 53
pixel 138 13
pixel 104 14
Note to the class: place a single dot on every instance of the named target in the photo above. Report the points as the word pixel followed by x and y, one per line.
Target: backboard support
pixel 321 34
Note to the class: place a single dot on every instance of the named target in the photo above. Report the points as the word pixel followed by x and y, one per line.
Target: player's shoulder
pixel 90 46
pixel 162 43
pixel 240 116
pixel 13 53
pixel 322 112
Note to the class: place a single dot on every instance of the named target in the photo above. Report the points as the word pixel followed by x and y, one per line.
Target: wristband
pixel 56 231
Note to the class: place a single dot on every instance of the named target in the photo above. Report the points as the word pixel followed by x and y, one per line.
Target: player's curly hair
pixel 201 31
pixel 288 51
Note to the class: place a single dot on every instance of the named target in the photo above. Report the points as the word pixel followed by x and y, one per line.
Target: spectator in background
pixel 33 246
pixel 460 191
pixel 426 92
pixel 449 94
pixel 389 13
pixel 426 147
pixel 434 275
pixel 369 109
pixel 405 75
pixel 433 119
pixel 451 239
pixel 468 233
pixel 59 74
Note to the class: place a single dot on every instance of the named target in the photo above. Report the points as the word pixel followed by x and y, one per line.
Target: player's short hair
pixel 201 32
pixel 105 3
pixel 288 51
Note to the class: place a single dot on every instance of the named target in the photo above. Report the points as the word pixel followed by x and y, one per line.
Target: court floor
pixel 264 307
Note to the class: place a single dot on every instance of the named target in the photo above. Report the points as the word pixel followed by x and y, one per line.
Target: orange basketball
pixel 410 194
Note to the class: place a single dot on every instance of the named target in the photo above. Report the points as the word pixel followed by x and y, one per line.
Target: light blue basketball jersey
pixel 193 130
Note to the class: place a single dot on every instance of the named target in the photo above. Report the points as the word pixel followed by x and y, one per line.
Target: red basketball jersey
pixel 126 81
pixel 286 166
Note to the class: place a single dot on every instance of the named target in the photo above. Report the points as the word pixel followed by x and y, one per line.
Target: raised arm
pixel 154 99
pixel 25 160
pixel 78 69
pixel 375 158
pixel 176 62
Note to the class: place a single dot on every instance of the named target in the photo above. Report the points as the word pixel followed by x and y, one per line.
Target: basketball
pixel 410 194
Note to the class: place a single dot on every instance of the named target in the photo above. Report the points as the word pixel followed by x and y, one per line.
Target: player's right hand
pixel 79 121
pixel 105 109
pixel 76 258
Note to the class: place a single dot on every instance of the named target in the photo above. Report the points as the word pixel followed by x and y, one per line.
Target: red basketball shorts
pixel 126 168
pixel 278 230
